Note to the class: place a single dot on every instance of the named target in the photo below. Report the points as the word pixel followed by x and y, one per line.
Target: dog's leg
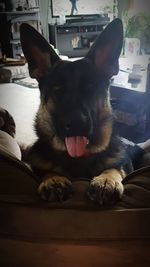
pixel 107 188
pixel 145 145
pixel 53 185
pixel 55 188
pixel 144 161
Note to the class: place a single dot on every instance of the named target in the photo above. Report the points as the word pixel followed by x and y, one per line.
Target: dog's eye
pixel 56 88
pixel 91 86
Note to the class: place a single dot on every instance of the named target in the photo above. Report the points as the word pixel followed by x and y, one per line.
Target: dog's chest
pixel 79 168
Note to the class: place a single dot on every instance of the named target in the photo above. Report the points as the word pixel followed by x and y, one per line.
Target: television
pixel 81 7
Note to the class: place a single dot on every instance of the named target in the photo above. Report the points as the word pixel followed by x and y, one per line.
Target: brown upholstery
pixel 30 225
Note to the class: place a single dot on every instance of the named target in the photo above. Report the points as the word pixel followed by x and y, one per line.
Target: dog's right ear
pixel 106 50
pixel 37 51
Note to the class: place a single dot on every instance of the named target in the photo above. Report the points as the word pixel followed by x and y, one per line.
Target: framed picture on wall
pixel 131 47
pixel 81 7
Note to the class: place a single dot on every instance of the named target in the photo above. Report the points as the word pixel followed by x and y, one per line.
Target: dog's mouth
pixel 77 146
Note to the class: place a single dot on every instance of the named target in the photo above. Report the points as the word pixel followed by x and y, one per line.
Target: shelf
pixel 72 39
pixel 10 37
pixel 20 12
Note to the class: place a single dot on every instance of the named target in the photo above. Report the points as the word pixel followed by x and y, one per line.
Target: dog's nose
pixel 68 126
pixel 76 120
pixel 76 124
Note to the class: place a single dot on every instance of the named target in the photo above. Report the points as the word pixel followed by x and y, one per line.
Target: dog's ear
pixel 38 53
pixel 106 50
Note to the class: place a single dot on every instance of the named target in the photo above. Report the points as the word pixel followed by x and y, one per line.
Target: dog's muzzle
pixel 75 130
pixel 76 124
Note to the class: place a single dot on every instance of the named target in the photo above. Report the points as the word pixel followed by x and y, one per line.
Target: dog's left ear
pixel 106 50
pixel 38 52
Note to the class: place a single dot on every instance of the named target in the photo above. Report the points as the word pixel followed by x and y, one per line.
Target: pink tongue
pixel 76 146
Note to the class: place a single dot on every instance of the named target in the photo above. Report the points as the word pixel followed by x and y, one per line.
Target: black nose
pixel 76 124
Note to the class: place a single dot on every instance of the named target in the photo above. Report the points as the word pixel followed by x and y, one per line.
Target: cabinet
pixel 74 38
pixel 9 30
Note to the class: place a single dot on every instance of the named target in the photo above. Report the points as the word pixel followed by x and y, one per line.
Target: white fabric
pixel 18 72
pixel 29 82
pixel 22 103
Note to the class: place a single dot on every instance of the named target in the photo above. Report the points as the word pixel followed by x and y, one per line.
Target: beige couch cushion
pixel 9 144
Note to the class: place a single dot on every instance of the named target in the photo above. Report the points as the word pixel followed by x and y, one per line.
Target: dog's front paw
pixel 105 189
pixel 55 188
pixel 7 123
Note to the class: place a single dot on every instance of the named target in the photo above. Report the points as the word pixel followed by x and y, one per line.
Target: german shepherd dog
pixel 74 123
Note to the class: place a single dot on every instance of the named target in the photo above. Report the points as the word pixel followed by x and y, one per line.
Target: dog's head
pixel 75 113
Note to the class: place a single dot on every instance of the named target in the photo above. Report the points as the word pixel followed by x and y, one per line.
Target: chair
pixel 132 110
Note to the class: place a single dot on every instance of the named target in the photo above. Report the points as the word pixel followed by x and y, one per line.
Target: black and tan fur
pixel 75 102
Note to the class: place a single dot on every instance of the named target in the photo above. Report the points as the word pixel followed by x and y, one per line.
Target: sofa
pixel 72 233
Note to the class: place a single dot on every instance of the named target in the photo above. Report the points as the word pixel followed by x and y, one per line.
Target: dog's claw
pixel 55 188
pixel 105 191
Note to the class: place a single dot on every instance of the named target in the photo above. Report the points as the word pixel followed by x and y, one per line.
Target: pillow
pixel 9 144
